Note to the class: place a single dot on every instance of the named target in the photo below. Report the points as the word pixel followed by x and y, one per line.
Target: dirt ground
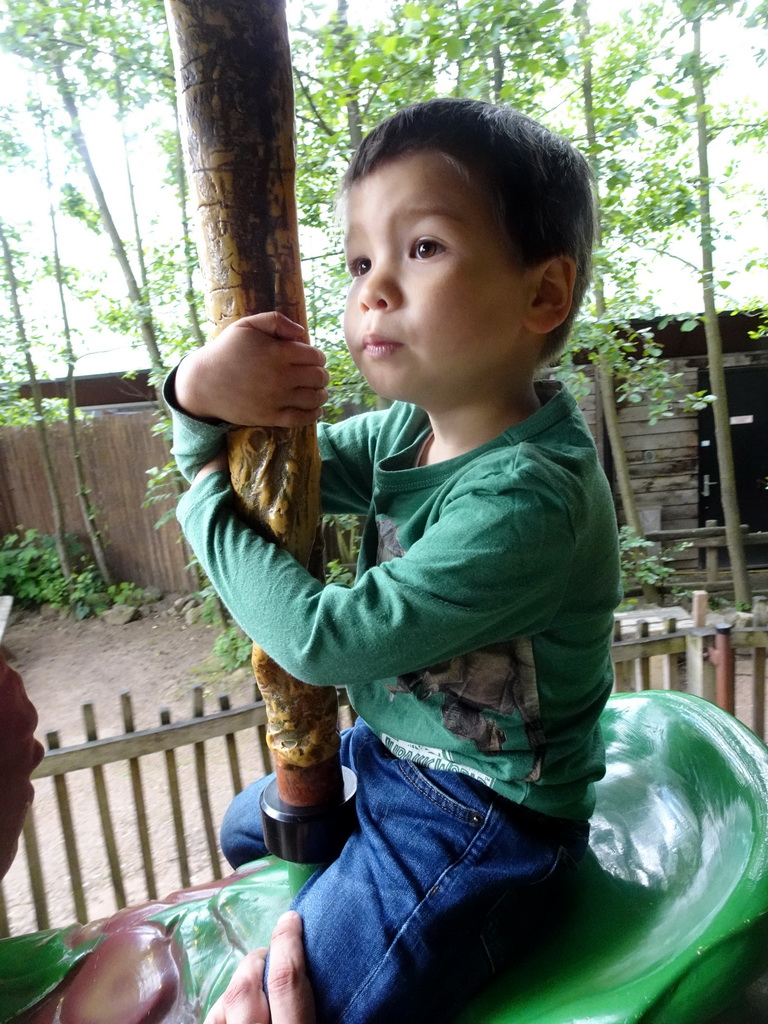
pixel 157 659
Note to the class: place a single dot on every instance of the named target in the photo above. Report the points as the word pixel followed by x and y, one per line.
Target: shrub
pixel 30 570
pixel 125 593
pixel 641 564
pixel 31 573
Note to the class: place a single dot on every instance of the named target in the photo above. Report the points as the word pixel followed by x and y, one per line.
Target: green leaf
pixel 454 48
pixel 388 43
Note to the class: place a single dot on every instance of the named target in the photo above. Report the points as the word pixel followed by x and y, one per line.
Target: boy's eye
pixel 359 266
pixel 425 248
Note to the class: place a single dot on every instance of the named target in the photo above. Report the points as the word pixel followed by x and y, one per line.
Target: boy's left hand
pixel 220 461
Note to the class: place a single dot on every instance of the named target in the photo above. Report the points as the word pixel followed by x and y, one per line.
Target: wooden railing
pixel 687 660
pixel 710 539
pixel 136 790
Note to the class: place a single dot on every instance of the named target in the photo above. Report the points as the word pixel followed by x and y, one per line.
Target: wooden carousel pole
pixel 235 91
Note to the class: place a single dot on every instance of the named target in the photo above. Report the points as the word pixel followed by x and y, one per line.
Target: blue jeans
pixel 437 887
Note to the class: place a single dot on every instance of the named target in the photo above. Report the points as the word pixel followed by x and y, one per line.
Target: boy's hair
pixel 540 186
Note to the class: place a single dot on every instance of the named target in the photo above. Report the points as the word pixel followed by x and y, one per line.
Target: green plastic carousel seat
pixel 668 917
pixel 666 920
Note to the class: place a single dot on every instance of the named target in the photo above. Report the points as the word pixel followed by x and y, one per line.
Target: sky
pixel 106 351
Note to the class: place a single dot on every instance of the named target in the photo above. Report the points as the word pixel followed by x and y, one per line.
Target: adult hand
pixel 20 754
pixel 258 372
pixel 290 995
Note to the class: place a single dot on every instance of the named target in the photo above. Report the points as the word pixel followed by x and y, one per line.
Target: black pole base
pixel 308 835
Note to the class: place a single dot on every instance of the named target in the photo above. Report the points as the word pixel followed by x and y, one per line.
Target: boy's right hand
pixel 258 372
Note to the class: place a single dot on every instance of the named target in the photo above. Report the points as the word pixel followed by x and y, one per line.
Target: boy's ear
pixel 552 296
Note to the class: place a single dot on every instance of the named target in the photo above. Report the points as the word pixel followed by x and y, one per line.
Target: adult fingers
pixel 243 1001
pixel 290 994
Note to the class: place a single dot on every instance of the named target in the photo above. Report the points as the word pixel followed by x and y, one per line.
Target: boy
pixel 475 644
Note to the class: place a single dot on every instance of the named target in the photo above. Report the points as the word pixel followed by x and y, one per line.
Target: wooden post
pixel 236 99
pixel 699 608
pixel 699 670
pixel 643 664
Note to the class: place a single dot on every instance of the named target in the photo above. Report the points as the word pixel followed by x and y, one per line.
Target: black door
pixel 747 391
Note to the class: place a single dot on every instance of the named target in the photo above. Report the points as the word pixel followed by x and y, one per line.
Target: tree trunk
pixel 725 463
pixel 37 400
pixel 354 119
pixel 605 385
pixel 189 285
pixel 236 95
pixel 132 193
pixel 144 319
pixel 498 72
pixel 81 485
pixel 139 301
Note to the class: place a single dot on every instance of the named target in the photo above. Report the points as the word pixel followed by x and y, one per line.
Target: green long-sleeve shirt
pixel 477 635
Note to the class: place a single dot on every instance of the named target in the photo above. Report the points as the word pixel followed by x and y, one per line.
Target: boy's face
pixel 436 309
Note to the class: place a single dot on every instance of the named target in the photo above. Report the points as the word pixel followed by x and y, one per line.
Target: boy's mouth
pixel 379 348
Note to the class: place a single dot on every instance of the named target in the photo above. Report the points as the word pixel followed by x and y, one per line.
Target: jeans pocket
pixel 453 792
pixel 527 913
pixel 563 862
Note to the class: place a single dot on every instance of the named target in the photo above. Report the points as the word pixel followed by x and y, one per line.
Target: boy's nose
pixel 379 290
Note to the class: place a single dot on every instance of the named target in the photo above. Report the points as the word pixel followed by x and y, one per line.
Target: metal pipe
pixel 723 658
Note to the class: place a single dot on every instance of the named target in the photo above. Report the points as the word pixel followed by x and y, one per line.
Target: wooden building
pixel 103 393
pixel 673 462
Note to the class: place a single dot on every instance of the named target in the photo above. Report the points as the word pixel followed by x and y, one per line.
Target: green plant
pixel 640 563
pixel 212 611
pixel 30 570
pixel 125 593
pixel 233 648
pixel 340 574
pixel 86 594
pixel 163 487
pixel 681 595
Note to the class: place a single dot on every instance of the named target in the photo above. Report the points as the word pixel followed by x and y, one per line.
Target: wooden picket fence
pixel 138 789
pixel 686 659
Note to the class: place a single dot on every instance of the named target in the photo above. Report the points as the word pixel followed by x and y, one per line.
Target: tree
pixel 82 490
pixel 12 285
pixel 694 13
